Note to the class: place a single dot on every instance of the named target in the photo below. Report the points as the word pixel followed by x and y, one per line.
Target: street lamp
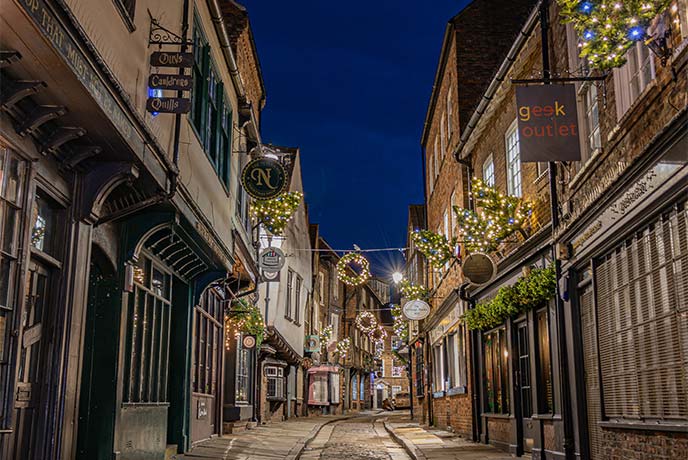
pixel 397 277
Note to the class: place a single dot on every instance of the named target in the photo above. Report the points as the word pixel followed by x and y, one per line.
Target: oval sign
pixel 479 268
pixel 415 310
pixel 248 341
pixel 271 260
pixel 264 178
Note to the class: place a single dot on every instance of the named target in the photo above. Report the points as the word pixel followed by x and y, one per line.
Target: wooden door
pixel 33 364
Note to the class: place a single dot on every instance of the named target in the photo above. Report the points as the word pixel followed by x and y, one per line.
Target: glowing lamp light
pixel 397 277
pixel 636 33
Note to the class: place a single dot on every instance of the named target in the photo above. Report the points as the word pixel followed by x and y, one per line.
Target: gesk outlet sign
pixel 548 123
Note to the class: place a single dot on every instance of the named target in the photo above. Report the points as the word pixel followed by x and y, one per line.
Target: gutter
pixel 498 79
pixel 223 37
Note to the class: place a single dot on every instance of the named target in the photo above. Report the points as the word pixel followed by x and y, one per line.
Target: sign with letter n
pixel 548 123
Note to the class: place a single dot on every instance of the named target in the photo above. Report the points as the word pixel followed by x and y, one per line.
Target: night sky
pixel 349 83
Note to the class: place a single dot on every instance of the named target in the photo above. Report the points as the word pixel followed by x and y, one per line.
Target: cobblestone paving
pixel 356 439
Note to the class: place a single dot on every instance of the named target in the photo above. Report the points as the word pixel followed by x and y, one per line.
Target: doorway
pixel 523 379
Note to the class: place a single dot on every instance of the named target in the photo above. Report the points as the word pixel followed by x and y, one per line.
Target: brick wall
pixel 641 445
pixel 455 412
pixel 499 431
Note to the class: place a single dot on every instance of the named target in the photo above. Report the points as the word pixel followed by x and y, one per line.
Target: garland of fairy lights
pixel 607 29
pixel 400 326
pixel 435 247
pixel 378 334
pixel 353 258
pixel 412 291
pixel 275 214
pixel 244 317
pixel 498 217
pixel 366 322
pixel 343 347
pixel 326 335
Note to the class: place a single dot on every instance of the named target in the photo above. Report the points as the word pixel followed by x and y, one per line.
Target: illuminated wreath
pixel 366 322
pixel 306 363
pixel 378 334
pixel 353 258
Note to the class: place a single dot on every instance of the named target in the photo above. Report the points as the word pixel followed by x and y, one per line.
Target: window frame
pixel 489 171
pixel 637 55
pixel 290 294
pixel 514 170
pixel 496 372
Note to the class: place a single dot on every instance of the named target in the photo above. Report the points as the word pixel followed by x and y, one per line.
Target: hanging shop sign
pixel 248 341
pixel 547 123
pixel 171 59
pixel 168 105
pixel 479 268
pixel 264 178
pixel 416 310
pixel 312 344
pixel 271 260
pixel 170 81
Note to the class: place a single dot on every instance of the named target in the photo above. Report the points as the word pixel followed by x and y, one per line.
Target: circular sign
pixel 479 268
pixel 248 341
pixel 271 260
pixel 415 310
pixel 264 178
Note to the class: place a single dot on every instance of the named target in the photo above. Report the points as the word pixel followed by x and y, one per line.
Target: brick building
pixel 598 374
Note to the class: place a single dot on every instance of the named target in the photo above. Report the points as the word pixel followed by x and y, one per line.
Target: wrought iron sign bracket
pixel 160 35
pixel 593 80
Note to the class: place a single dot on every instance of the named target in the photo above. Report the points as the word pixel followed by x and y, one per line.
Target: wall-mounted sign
pixel 271 260
pixel 171 59
pixel 547 123
pixel 168 105
pixel 202 410
pixel 170 81
pixel 248 341
pixel 312 344
pixel 479 268
pixel 416 310
pixel 264 178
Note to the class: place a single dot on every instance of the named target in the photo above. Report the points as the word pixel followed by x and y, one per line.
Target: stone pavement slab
pixel 428 444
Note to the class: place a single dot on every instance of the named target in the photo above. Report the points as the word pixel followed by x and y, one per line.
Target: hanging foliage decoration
pixel 346 262
pixel 343 347
pixel 400 326
pixel 435 247
pixel 529 292
pixel 326 335
pixel 378 334
pixel 275 214
pixel 607 29
pixel 412 291
pixel 243 317
pixel 498 217
pixel 366 322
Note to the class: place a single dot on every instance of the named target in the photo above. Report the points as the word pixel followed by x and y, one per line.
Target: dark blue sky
pixel 349 83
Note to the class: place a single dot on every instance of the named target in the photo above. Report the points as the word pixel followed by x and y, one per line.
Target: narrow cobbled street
pixel 360 438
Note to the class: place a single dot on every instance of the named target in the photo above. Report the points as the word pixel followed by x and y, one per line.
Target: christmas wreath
pixel 378 334
pixel 366 322
pixel 345 263
pixel 607 29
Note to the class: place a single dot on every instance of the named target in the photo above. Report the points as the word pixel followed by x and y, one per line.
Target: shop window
pixel 496 355
pixel 545 370
pixel 275 383
pixel 513 161
pixel 362 394
pixel 242 393
pixel 318 389
pixel 45 232
pixel 211 113
pixel 354 388
pixel 633 77
pixel 148 331
pixel 208 317
pixel 456 354
pixel 641 290
pixel 334 387
pixel 438 367
pixel 420 368
pixel 489 171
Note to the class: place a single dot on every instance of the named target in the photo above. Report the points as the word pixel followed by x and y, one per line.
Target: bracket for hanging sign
pixel 160 35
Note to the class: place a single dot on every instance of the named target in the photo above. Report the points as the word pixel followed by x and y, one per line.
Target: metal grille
pixel 642 288
pixel 591 367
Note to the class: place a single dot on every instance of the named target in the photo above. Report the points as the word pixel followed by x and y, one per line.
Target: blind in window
pixel 642 288
pixel 590 364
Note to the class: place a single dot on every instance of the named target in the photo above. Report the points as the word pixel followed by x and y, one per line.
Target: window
pixel 208 323
pixel 290 294
pixel 396 389
pixel 437 163
pixel 449 113
pixel 523 369
pixel 641 313
pixel 148 336
pixel 335 284
pixel 513 161
pixel 438 367
pixel 546 404
pixel 489 171
pixel 452 215
pixel 633 77
pixel 321 288
pixel 362 395
pixel 334 322
pixel 275 384
pixel 242 392
pixel 127 8
pixel 354 387
pixel 211 113
pixel 496 379
pixel 397 342
pixel 318 389
pixel 45 228
pixel 297 300
pixel 420 369
pixel 456 353
pixel 443 139
pixel 334 387
pixel 592 119
pixel 397 367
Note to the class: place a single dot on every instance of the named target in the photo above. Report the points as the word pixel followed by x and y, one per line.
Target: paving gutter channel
pixel 408 446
